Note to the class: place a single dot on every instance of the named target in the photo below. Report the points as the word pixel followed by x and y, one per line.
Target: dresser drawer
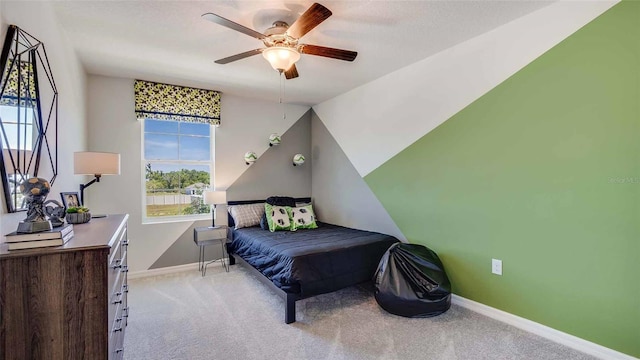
pixel 115 254
pixel 119 289
pixel 116 343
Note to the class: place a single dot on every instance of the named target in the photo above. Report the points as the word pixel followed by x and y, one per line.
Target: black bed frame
pixel 289 298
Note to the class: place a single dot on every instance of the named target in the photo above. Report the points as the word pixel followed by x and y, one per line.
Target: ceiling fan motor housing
pixel 277 36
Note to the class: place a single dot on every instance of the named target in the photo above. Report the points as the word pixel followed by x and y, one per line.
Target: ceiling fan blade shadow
pixel 346 55
pixel 307 21
pixel 232 25
pixel 292 73
pixel 240 56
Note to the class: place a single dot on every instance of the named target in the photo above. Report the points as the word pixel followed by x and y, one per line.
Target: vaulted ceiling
pixel 169 41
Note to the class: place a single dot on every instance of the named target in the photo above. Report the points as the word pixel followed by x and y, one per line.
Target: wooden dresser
pixel 67 302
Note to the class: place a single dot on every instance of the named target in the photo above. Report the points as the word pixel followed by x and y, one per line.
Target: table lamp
pixel 96 164
pixel 214 198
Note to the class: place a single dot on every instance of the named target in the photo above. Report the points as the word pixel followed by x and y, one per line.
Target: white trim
pixel 546 332
pixel 175 219
pixel 162 271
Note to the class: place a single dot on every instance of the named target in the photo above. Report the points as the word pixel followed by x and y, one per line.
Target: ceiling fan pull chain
pixel 284 113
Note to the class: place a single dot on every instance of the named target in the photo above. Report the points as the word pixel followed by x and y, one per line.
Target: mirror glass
pixel 28 116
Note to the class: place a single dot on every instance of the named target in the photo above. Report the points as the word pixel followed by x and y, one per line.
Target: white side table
pixel 208 235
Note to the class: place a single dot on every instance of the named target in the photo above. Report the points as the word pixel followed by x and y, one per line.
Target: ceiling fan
pixel 281 41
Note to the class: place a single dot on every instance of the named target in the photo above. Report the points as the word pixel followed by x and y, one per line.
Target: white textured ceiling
pixel 169 41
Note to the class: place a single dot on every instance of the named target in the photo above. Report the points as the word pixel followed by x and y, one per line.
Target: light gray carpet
pixel 233 316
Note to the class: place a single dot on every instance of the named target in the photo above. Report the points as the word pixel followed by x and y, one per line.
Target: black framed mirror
pixel 28 115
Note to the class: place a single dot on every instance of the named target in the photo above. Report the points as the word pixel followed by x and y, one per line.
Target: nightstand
pixel 208 235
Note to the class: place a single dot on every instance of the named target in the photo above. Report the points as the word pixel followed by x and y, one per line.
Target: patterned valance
pixel 178 103
pixel 19 77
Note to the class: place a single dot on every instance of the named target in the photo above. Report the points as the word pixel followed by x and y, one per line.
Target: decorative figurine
pixel 250 157
pixel 274 139
pixel 55 213
pixel 35 190
pixel 298 159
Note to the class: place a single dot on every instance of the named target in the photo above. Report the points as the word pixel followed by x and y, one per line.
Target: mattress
pixel 312 261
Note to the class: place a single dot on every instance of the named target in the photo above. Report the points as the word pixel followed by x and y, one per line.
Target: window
pixel 177 160
pixel 17 132
pixel 20 134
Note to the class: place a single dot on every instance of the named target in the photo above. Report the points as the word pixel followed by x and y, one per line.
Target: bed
pixel 307 262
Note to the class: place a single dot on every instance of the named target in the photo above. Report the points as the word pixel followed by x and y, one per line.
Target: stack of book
pixel 54 237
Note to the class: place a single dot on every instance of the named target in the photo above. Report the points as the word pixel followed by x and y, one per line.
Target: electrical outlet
pixel 496 266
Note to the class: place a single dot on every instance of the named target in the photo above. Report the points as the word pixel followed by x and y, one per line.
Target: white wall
pixel 38 19
pixel 246 125
pixel 376 121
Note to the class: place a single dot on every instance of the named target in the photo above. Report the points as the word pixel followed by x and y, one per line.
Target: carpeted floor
pixel 233 316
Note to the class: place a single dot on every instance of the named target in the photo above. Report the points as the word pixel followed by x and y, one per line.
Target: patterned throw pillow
pixel 246 215
pixel 303 218
pixel 277 217
pixel 279 201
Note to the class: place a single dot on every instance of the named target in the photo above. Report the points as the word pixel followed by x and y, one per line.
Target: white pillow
pixel 246 215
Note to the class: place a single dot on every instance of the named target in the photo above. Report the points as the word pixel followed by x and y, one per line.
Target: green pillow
pixel 303 218
pixel 277 217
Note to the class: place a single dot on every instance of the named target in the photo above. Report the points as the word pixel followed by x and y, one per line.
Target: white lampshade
pixel 215 197
pixel 281 57
pixel 96 163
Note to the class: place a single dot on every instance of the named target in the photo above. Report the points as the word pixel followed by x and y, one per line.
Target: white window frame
pixel 175 218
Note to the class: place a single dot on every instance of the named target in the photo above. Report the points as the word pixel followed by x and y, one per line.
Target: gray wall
pixel 339 193
pixel 184 251
pixel 274 173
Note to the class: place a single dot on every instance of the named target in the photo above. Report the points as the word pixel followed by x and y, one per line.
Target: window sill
pixel 175 219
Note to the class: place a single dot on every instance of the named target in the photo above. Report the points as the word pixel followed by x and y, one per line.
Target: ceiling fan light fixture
pixel 281 57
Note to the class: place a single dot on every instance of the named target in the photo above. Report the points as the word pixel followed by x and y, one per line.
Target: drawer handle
pixel 125 312
pixel 119 351
pixel 119 319
pixel 125 243
pixel 118 329
pixel 125 288
pixel 118 264
pixel 119 301
pixel 124 268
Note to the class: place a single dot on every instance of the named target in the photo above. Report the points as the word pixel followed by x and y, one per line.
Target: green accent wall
pixel 542 172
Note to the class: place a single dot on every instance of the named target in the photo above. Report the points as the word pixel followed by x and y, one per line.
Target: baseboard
pixel 546 332
pixel 162 271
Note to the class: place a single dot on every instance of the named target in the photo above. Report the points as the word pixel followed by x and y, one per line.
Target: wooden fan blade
pixel 240 56
pixel 307 21
pixel 339 54
pixel 291 73
pixel 232 25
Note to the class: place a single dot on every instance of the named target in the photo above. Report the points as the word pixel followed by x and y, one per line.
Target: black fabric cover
pixel 411 282
pixel 312 261
pixel 281 201
pixel 276 201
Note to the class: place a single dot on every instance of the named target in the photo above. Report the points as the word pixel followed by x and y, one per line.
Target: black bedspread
pixel 311 262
